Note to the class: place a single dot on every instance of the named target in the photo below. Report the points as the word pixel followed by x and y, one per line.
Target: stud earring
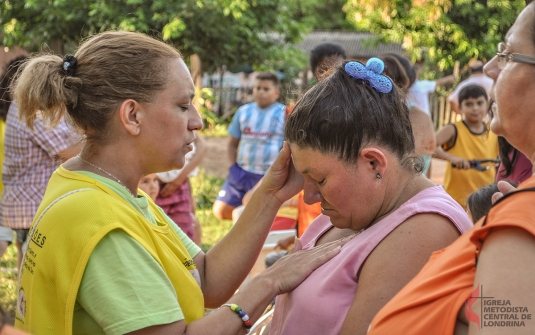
pixel 378 176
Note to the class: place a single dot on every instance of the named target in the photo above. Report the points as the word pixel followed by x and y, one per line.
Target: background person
pixel 256 134
pixel 477 77
pixel 175 196
pixel 465 140
pixel 30 157
pixel 325 56
pixel 400 70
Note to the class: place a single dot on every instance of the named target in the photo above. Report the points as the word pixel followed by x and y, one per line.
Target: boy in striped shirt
pixel 256 136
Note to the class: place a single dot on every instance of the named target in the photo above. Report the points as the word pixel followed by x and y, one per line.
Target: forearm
pixel 442 154
pixel 232 154
pixel 228 263
pixel 252 298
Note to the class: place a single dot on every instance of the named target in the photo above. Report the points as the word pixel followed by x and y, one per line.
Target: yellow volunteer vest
pixel 461 183
pixel 75 214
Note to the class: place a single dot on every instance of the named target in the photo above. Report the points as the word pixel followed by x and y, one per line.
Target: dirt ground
pixel 215 160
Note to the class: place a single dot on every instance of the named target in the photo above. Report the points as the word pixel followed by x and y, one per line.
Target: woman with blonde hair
pixel 103 258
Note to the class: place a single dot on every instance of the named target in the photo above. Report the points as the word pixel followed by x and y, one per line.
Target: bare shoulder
pixel 412 242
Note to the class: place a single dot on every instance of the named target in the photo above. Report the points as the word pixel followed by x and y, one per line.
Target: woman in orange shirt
pixel 483 282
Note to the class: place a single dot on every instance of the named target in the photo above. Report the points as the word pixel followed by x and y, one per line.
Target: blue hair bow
pixel 371 73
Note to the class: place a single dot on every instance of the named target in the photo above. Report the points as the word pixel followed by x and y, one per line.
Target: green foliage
pixel 8 281
pixel 451 29
pixel 221 32
pixel 323 14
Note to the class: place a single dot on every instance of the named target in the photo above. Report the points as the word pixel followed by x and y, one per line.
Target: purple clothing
pixel 178 206
pixel 320 304
pixel 30 160
pixel 522 170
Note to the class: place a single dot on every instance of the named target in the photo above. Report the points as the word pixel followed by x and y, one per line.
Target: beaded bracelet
pixel 244 317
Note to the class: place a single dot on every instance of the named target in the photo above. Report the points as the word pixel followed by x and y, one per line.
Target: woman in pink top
pixel 351 139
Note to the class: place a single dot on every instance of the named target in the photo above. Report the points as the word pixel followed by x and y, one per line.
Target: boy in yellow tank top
pixel 466 140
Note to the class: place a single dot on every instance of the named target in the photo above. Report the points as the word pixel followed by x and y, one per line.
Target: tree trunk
pixel 57 46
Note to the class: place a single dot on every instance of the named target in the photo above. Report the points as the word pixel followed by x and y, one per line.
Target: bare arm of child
pixel 446 80
pixel 447 135
pixel 191 164
pixel 424 134
pixel 233 149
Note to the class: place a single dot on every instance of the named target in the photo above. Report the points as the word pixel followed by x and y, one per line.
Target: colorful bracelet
pixel 244 317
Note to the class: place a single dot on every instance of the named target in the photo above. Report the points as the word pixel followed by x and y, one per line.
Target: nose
pixel 491 69
pixel 312 193
pixel 195 121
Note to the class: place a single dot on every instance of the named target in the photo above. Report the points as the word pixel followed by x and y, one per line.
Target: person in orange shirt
pixel 458 290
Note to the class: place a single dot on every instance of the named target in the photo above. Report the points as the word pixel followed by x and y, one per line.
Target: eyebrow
pixel 305 171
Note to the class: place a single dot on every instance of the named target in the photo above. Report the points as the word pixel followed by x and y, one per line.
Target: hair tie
pixel 371 73
pixel 69 64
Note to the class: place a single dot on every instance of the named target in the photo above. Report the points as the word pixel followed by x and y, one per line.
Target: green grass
pixel 205 189
pixel 8 281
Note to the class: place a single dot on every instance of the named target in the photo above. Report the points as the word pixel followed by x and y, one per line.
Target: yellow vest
pixel 75 214
pixel 461 183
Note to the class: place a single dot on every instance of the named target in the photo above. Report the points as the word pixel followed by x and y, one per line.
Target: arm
pixel 387 270
pixel 218 268
pixel 424 134
pixel 282 277
pixel 446 135
pixel 504 270
pixel 233 149
pixel 446 80
pixel 191 164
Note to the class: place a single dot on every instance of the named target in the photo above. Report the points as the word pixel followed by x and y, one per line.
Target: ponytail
pixel 42 86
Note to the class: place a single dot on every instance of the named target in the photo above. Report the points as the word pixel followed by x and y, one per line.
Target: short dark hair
pixel 395 70
pixel 6 83
pixel 339 115
pixel 407 65
pixel 480 201
pixel 268 76
pixel 472 91
pixel 325 50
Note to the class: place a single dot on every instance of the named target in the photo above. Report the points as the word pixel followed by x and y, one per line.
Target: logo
pixel 495 312
pixel 21 303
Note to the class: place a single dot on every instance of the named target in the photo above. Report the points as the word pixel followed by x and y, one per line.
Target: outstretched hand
pixel 282 180
pixel 289 271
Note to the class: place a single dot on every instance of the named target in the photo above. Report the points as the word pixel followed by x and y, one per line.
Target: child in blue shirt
pixel 256 136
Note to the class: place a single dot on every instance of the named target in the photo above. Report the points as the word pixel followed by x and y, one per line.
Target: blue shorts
pixel 237 184
pixel 6 234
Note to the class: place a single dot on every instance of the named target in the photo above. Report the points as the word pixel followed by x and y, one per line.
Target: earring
pixel 378 176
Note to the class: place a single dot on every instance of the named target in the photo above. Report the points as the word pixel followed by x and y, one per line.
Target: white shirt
pixel 480 79
pixel 418 94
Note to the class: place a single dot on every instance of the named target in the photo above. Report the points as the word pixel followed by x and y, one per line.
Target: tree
pixel 451 29
pixel 221 32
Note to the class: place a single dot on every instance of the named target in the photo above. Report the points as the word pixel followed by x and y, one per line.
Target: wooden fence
pixel 441 112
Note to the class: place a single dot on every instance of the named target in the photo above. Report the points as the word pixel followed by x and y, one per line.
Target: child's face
pixel 150 185
pixel 474 109
pixel 265 93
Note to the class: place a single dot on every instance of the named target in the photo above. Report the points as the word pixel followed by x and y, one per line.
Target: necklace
pixel 106 172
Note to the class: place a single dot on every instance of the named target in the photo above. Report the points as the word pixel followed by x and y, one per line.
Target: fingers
pixel 495 197
pixel 505 187
pixel 282 160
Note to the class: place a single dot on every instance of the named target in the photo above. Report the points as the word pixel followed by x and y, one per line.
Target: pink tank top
pixel 320 304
